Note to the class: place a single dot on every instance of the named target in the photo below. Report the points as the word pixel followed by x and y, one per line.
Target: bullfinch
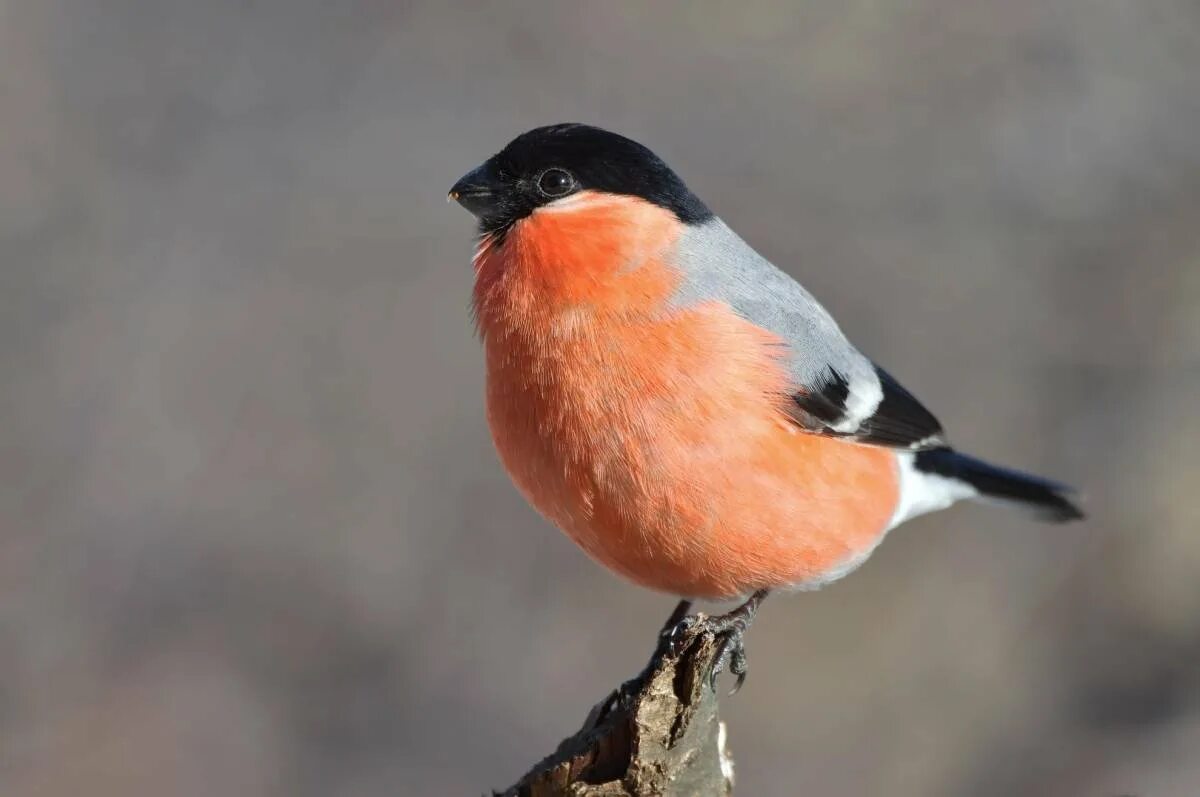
pixel 680 407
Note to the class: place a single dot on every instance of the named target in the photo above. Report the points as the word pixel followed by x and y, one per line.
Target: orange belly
pixel 661 450
pixel 653 435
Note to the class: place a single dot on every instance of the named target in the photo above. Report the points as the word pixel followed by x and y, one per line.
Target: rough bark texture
pixel 657 734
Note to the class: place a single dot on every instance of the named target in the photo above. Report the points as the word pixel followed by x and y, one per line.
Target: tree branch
pixel 657 734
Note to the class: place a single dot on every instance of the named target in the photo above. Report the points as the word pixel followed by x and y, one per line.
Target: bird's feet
pixel 731 647
pixel 728 629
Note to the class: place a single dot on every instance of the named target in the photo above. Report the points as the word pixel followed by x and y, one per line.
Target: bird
pixel 683 409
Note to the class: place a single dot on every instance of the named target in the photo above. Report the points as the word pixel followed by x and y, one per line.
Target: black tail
pixel 1047 499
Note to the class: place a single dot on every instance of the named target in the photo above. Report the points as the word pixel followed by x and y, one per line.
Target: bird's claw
pixel 728 630
pixel 673 637
pixel 731 655
pixel 731 649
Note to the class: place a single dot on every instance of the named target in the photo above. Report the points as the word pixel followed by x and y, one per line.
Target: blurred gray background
pixel 254 537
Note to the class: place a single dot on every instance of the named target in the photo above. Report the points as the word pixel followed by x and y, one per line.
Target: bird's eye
pixel 555 183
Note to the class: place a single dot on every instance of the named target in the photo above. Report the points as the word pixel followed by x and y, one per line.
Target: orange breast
pixel 653 435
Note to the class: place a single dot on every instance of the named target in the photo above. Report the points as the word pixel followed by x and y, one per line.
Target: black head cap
pixel 553 162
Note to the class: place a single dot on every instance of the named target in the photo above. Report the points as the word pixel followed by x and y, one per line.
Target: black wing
pixel 898 421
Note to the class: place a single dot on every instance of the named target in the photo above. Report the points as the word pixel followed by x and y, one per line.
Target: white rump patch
pixel 924 492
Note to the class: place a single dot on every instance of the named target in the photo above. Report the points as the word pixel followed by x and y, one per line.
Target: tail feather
pixel 1047 499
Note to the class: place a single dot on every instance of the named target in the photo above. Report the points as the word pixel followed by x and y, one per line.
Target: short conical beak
pixel 476 190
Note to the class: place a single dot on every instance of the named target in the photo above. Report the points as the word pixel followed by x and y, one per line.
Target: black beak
pixel 477 191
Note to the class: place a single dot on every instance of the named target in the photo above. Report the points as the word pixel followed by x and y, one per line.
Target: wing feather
pixel 836 390
pixel 897 420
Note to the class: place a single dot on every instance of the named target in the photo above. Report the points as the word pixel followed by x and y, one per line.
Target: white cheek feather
pixel 865 396
pixel 924 492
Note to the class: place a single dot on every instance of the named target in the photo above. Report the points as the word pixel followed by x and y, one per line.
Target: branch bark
pixel 656 734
